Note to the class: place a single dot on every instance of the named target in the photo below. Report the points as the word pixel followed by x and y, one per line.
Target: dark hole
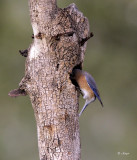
pixel 70 33
pixel 57 38
pixel 79 66
pixel 73 81
pixel 57 66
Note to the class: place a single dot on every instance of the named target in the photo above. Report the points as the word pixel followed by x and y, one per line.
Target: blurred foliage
pixel 111 58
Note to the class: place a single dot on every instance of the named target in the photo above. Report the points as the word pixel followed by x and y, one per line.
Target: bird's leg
pixel 85 105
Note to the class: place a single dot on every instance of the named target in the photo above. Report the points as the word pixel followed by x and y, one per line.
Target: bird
pixel 87 86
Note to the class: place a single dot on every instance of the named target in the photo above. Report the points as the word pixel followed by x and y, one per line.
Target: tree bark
pixel 57 48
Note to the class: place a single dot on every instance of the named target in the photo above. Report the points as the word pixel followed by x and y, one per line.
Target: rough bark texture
pixel 56 49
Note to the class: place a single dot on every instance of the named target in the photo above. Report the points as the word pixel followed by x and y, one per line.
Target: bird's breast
pixel 85 88
pixel 87 94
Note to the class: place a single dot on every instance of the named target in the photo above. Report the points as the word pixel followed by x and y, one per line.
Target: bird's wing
pixel 92 84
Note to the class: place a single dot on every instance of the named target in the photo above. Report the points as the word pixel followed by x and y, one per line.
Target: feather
pixel 92 84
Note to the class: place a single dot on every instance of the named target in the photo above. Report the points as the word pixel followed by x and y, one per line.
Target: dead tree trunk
pixel 58 46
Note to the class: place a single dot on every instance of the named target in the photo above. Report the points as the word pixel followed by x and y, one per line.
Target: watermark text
pixel 123 153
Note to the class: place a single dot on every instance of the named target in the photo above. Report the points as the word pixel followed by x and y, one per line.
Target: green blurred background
pixel 111 57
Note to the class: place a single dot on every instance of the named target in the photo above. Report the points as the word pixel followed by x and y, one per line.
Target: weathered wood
pixel 56 49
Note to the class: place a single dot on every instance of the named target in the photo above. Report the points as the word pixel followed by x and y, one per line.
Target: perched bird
pixel 87 86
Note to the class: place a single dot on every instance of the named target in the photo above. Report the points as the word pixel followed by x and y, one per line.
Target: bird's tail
pixel 96 92
pixel 100 101
pixel 86 104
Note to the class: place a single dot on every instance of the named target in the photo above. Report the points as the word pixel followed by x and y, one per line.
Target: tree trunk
pixel 58 47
